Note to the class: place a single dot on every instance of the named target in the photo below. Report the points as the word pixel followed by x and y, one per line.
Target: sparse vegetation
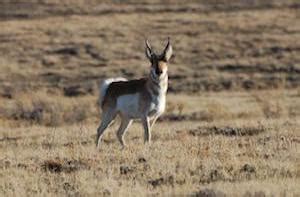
pixel 232 122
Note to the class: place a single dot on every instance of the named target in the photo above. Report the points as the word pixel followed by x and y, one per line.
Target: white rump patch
pixel 105 85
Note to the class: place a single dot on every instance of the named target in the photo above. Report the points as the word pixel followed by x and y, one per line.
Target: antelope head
pixel 159 63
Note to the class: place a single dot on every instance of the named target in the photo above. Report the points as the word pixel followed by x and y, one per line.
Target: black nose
pixel 158 72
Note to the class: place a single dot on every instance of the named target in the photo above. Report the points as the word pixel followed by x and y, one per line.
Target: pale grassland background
pixel 232 122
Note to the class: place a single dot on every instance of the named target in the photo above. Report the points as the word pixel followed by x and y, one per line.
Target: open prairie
pixel 232 123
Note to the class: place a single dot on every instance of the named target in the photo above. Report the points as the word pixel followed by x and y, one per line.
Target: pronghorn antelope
pixel 143 99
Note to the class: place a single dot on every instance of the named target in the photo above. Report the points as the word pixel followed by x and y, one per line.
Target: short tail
pixel 104 86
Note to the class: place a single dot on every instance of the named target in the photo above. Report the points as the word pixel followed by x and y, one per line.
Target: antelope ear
pixel 167 54
pixel 148 50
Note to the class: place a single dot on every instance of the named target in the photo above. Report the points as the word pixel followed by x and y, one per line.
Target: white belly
pixel 129 105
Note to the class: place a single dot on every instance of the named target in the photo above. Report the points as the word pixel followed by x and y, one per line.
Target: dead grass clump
pixel 38 111
pixel 208 193
pixel 298 92
pixel 214 175
pixel 233 172
pixel 142 160
pixel 212 111
pixel 195 116
pixel 271 104
pixel 248 168
pixel 255 194
pixel 294 111
pixel 174 117
pixel 52 166
pixel 247 171
pixel 47 110
pixel 70 189
pixel 7 92
pixel 67 166
pixel 210 174
pixel 227 131
pixel 79 89
pixel 174 112
pixel 175 108
pixel 126 170
pixel 78 113
pixel 8 139
pixel 215 111
pixel 168 180
pixel 4 164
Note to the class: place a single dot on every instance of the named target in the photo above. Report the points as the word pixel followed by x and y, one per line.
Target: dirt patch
pixel 208 193
pixel 227 131
pixel 195 116
pixel 168 180
pixel 248 168
pixel 126 169
pixel 142 160
pixel 255 193
pixel 9 139
pixel 78 90
pixel 67 166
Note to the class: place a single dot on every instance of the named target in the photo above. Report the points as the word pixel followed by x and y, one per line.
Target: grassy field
pixel 232 124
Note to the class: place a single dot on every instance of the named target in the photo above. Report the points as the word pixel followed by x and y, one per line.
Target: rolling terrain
pixel 232 122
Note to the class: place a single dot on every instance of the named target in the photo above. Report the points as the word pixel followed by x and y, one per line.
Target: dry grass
pixel 231 127
pixel 48 109
pixel 214 50
pixel 229 155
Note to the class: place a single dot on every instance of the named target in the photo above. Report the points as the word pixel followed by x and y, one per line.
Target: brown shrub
pixel 227 131
pixel 68 166
pixel 175 108
pixel 271 104
pixel 208 193
pixel 47 110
